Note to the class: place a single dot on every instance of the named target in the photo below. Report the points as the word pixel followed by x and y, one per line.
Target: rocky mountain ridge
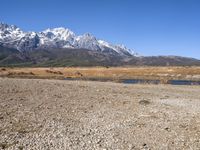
pixel 13 37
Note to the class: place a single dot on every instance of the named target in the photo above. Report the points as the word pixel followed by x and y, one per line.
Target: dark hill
pixel 83 57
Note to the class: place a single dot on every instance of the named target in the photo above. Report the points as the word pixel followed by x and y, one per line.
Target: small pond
pixel 172 82
pixel 144 81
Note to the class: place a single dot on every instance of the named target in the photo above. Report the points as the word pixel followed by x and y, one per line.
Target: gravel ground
pixel 83 115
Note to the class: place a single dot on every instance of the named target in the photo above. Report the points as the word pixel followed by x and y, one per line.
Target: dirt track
pixel 57 115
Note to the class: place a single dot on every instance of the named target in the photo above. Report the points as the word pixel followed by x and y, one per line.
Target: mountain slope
pixel 72 57
pixel 9 56
pixel 84 57
pixel 57 57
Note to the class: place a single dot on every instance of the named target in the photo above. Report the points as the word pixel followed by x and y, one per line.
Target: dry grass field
pixel 101 73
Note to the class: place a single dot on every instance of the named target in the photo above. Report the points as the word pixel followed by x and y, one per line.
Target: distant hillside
pixel 57 57
pixel 83 57
pixel 164 61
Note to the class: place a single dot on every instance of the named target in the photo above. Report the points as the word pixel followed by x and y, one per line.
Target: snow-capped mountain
pixel 13 37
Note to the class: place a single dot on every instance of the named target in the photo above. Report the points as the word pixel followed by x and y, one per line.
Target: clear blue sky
pixel 151 27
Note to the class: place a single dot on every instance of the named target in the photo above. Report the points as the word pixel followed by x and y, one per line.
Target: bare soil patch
pixel 57 114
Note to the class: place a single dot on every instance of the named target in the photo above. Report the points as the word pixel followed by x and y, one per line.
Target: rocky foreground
pixel 57 115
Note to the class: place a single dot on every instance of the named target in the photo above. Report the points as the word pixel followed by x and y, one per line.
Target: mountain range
pixel 62 47
pixel 13 37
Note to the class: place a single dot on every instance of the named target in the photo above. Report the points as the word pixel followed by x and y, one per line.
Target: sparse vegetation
pixel 54 72
pixel 144 102
pixel 20 74
pixel 3 145
pixel 3 69
pixel 20 147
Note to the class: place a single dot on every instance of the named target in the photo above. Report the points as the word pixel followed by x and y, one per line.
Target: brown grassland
pixel 103 73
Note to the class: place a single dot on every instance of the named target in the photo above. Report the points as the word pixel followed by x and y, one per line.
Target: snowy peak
pixel 6 27
pixel 10 33
pixel 12 36
pixel 57 38
pixel 121 49
pixel 59 33
pixel 88 41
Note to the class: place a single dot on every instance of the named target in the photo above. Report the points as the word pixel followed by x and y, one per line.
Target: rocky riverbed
pixel 86 115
